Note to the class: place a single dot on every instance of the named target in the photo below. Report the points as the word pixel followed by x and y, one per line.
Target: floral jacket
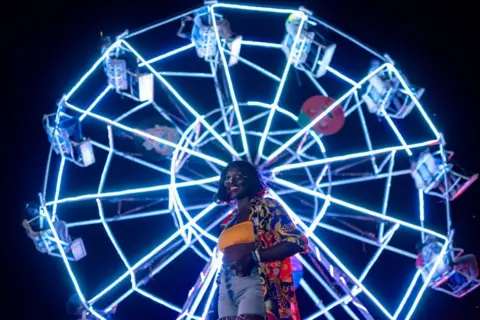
pixel 273 225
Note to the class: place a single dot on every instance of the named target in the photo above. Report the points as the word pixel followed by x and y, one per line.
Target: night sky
pixel 55 43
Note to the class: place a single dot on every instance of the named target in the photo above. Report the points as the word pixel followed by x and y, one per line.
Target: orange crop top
pixel 239 233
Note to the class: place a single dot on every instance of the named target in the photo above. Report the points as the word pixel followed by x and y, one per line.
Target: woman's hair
pixel 253 182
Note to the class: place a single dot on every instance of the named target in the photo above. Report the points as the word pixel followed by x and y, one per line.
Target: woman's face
pixel 235 184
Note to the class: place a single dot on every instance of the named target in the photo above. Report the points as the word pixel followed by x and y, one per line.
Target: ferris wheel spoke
pixel 359 209
pixel 279 92
pixel 180 99
pixel 130 192
pixel 221 97
pixel 301 149
pixel 225 114
pixel 145 135
pixel 148 164
pixel 232 130
pixel 319 244
pixel 352 156
pixel 180 208
pixel 231 89
pixel 326 112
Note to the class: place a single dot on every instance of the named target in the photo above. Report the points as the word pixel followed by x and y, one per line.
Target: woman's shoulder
pixel 265 203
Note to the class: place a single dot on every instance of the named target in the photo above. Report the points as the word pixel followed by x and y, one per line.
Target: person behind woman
pixel 257 242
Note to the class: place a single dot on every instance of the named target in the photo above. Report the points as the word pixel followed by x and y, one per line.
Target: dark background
pixel 434 44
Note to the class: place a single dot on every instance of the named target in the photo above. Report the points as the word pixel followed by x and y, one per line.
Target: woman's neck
pixel 243 203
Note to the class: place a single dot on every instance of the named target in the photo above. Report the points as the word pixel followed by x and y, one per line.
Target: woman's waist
pixel 237 251
pixel 228 270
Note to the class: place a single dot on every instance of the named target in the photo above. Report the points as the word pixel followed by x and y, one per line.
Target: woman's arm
pixel 289 239
pixel 279 251
pixel 292 241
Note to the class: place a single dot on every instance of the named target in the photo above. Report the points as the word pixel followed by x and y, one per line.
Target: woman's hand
pixel 243 266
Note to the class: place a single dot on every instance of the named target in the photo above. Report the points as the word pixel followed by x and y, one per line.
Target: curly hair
pixel 254 183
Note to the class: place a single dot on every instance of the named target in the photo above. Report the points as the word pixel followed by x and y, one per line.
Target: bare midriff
pixel 237 251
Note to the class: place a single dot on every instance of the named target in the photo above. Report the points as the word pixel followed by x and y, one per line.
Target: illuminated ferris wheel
pixel 140 141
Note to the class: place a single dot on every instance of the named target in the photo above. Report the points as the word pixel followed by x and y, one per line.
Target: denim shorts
pixel 239 295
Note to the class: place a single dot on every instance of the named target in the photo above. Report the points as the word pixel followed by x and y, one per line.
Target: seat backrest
pixel 430 253
pixel 429 162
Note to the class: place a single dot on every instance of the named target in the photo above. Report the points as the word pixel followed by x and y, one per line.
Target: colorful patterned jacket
pixel 273 225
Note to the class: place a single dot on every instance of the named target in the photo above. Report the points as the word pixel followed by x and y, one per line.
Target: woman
pixel 257 242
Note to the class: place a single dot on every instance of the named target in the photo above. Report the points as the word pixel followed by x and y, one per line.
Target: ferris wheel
pixel 343 144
